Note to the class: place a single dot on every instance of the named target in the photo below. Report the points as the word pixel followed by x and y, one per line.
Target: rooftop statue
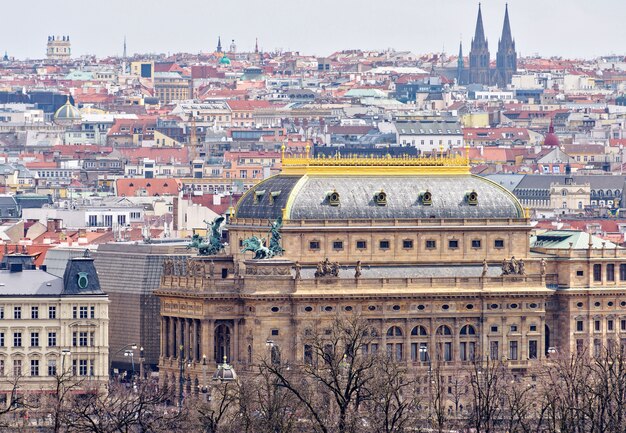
pixel 213 245
pixel 275 247
pixel 257 245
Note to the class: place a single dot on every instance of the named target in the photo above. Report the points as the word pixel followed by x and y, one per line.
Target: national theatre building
pixel 440 262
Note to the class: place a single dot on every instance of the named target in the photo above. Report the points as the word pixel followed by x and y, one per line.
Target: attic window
pixel 471 198
pixel 165 185
pixel 273 196
pixel 426 198
pixel 380 198
pixel 333 198
pixel 258 195
pixel 148 184
pixel 131 184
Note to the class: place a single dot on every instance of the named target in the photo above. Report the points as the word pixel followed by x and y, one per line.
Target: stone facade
pixel 432 288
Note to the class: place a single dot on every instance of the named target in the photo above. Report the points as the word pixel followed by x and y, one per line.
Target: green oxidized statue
pixel 213 245
pixel 257 245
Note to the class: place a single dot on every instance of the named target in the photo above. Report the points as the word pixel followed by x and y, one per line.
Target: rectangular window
pixel 337 245
pixel 74 312
pixel 17 339
pixel 92 312
pixel 431 244
pixel 17 367
pixel 532 349
pixel 597 272
pixel 1 339
pixel 384 245
pixel 34 312
pixel 476 243
pixel 513 328
pixel 533 328
pixel 361 245
pixel 52 339
pixel 1 312
pixel 34 367
pixel 494 350
pixel 609 325
pixel 610 272
pixel 52 312
pixel 596 325
pixel 314 245
pixel 494 328
pixel 622 325
pixel 622 272
pixel 17 312
pixel 498 243
pixel 579 326
pixel 580 346
pixel 308 354
pixel 34 339
pixel 83 312
pixel 52 367
pixel 82 339
pixel 513 350
pixel 453 244
pixel 407 244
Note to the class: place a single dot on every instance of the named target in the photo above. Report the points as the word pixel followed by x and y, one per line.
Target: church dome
pixel 224 61
pixel 551 139
pixel 378 192
pixel 67 114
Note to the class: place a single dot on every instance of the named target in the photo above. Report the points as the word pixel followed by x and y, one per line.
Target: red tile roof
pixel 152 187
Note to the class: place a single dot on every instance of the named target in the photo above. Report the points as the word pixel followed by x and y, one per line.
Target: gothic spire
pixel 256 46
pixel 219 44
pixel 479 34
pixel 506 37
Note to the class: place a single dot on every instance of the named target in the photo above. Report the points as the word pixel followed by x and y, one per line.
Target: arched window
pixel 222 343
pixel 467 345
pixel 468 330
pixel 419 330
pixel 394 350
pixel 444 330
pixel 564 192
pixel 394 331
pixel 444 345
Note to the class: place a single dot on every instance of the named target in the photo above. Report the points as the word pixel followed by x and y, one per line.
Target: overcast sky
pixel 571 28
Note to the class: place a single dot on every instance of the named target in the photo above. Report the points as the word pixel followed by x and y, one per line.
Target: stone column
pixel 173 337
pixel 207 340
pixel 181 324
pixel 187 338
pixel 235 354
pixel 196 349
pixel 456 341
pixel 162 338
pixel 406 353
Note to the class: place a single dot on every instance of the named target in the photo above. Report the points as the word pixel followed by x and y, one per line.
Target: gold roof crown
pixel 340 164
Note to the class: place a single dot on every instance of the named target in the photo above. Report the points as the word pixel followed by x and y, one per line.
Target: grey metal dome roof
pixel 306 197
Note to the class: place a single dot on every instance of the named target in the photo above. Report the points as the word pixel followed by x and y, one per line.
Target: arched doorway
pixel 222 343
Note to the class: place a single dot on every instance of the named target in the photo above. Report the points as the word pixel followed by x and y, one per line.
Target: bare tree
pixel 120 409
pixel 391 400
pixel 332 383
pixel 486 383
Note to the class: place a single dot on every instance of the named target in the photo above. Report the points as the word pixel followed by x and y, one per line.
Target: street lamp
pixel 132 361
pixel 133 346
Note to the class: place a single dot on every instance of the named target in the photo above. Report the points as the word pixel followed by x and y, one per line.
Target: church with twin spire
pixel 480 70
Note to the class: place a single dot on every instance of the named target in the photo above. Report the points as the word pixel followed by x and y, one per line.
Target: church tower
pixel 506 59
pixel 219 45
pixel 460 65
pixel 479 55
